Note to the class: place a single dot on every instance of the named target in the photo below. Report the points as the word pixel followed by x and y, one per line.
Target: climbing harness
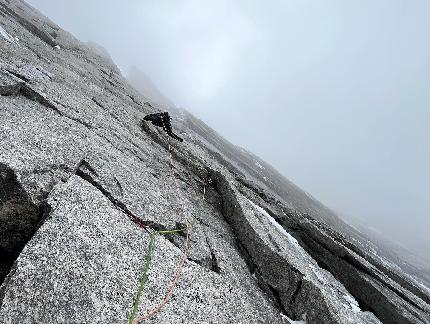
pixel 148 261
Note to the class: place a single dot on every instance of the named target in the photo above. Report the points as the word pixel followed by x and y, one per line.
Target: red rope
pixel 172 286
pixel 171 289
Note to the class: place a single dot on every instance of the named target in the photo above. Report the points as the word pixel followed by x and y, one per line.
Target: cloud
pixel 333 93
pixel 209 41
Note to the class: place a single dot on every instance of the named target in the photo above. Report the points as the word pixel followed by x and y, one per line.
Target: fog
pixel 334 94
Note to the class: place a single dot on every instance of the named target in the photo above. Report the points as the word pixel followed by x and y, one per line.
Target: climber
pixel 162 120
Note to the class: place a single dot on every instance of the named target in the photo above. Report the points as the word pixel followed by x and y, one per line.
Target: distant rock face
pixel 146 87
pixel 84 183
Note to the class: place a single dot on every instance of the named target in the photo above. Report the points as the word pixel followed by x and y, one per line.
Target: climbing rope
pixel 148 261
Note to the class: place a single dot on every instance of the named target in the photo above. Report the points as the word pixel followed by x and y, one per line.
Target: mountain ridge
pixel 86 183
pixel 187 121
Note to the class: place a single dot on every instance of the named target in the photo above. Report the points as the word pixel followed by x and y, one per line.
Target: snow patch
pixel 285 317
pixel 275 223
pixel 292 240
pixel 424 287
pixel 6 36
pixel 352 303
pixel 259 165
pixel 319 274
pixel 384 261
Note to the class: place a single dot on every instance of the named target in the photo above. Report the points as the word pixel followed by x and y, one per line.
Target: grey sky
pixel 334 94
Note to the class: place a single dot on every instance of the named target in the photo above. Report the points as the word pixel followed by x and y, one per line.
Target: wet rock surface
pixel 84 182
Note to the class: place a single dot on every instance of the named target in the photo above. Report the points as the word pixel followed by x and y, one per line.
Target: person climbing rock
pixel 162 120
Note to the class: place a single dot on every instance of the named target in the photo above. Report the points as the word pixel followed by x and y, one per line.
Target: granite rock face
pixel 83 184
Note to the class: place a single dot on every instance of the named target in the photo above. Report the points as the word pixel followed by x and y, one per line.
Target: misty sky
pixel 334 94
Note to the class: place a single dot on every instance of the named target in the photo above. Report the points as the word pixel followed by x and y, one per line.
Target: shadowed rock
pixel 19 218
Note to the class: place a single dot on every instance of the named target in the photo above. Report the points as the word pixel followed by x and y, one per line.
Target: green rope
pixel 148 261
pixel 172 231
pixel 144 278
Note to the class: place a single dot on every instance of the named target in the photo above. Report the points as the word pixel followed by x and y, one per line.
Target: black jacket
pixel 162 120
